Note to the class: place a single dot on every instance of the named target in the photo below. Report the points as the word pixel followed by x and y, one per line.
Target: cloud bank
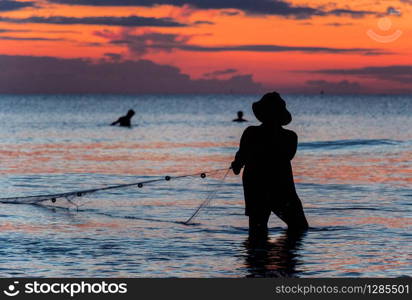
pixel 395 73
pixel 130 21
pixel 167 42
pixel 29 74
pixel 250 7
pixel 340 87
pixel 9 5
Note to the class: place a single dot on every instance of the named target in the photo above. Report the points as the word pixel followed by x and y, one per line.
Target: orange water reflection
pixel 354 168
pixel 159 157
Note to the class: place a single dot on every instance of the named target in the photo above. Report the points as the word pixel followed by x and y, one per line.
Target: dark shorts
pixel 291 212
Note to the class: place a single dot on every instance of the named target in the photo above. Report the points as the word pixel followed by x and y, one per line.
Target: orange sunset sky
pixel 53 46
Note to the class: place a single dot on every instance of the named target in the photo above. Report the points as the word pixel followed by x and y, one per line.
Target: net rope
pixel 208 199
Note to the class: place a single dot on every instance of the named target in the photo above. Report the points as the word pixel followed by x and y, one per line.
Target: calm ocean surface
pixel 353 172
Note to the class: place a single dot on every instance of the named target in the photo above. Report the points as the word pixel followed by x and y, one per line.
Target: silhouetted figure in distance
pixel 266 152
pixel 239 117
pixel 125 120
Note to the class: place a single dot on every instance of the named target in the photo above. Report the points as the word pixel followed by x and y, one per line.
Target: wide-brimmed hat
pixel 272 109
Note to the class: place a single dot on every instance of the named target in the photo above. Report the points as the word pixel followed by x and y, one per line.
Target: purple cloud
pixel 220 72
pixel 130 21
pixel 9 5
pixel 340 87
pixel 167 42
pixel 250 7
pixel 29 74
pixel 396 73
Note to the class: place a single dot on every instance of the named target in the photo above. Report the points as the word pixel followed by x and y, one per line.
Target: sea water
pixel 353 172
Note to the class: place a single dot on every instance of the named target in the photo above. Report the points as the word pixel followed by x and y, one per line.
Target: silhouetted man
pixel 239 117
pixel 125 120
pixel 266 152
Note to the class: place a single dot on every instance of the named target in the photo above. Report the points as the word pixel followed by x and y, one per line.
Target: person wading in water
pixel 239 117
pixel 125 120
pixel 266 152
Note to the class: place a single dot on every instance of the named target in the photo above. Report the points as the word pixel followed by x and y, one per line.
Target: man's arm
pixel 116 122
pixel 239 160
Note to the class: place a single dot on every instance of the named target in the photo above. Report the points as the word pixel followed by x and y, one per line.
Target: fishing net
pixel 72 197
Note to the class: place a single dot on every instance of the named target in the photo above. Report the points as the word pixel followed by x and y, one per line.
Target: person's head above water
pixel 240 114
pixel 271 109
pixel 130 113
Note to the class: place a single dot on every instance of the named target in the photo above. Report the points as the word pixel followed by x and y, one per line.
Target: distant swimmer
pixel 239 117
pixel 125 120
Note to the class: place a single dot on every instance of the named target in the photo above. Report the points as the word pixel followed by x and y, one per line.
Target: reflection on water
pixel 274 258
pixel 352 168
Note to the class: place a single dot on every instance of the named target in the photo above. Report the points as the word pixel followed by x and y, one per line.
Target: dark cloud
pixel 251 7
pixel 106 34
pixel 337 24
pixel 113 56
pixel 38 31
pixel 92 44
pixel 13 30
pixel 18 38
pixel 393 11
pixel 203 23
pixel 28 74
pixel 379 52
pixel 352 13
pixel 397 73
pixel 220 72
pixel 340 87
pixel 277 48
pixel 155 41
pixel 55 31
pixel 9 5
pixel 229 13
pixel 132 21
